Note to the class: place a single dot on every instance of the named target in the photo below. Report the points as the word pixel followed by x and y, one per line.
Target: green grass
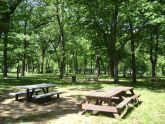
pixel 150 111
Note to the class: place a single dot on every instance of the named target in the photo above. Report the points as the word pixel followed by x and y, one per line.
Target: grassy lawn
pixel 64 110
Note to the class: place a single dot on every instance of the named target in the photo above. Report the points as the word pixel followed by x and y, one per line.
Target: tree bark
pixel 24 48
pixel 124 72
pixel 24 56
pixel 5 55
pixel 133 60
pixel 75 63
pixel 114 53
pixel 97 65
pixel 42 61
pixel 116 80
pixel 91 64
pixel 154 52
pixel 153 71
pixel 85 64
pixel 163 71
pixel 104 68
pixel 111 67
pixel 62 38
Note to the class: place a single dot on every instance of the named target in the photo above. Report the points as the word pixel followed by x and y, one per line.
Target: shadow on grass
pixel 158 86
pixel 51 108
pixel 131 109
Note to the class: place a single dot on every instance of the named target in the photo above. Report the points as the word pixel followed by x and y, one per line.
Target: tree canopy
pixel 89 37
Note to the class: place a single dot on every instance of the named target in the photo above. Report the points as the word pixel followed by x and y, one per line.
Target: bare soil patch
pixel 40 111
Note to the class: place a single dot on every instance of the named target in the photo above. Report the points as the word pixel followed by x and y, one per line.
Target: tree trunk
pixel 97 65
pixel 23 64
pixel 42 63
pixel 116 80
pixel 5 55
pixel 85 64
pixel 133 60
pixel 33 66
pixel 43 57
pixel 60 17
pixel 153 71
pixel 114 53
pixel 24 51
pixel 102 62
pixel 91 69
pixel 75 64
pixel 62 61
pixel 62 67
pixel 133 67
pixel 163 71
pixel 154 52
pixel 18 70
pixel 48 68
pixel 111 67
pixel 124 72
pixel 67 67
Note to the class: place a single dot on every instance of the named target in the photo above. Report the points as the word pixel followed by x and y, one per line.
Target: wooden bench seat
pixel 16 94
pixel 126 101
pixel 135 96
pixel 123 103
pixel 48 95
pixel 99 108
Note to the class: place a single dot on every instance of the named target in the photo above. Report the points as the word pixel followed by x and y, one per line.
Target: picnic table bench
pixel 31 89
pixel 113 100
pixel 16 94
pixel 49 94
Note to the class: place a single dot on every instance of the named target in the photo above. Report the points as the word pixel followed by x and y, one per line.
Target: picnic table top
pixel 36 86
pixel 108 93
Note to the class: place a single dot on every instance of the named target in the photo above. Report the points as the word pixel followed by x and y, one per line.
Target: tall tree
pixel 60 19
pixel 5 19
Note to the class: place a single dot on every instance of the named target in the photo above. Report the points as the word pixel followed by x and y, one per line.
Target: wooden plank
pixel 17 93
pixel 126 88
pixel 123 103
pixel 135 96
pixel 114 93
pixel 99 108
pixel 104 94
pixel 108 93
pixel 48 94
pixel 21 93
pixel 126 101
pixel 36 86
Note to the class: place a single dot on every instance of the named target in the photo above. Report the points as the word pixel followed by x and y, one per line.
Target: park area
pixel 64 110
pixel 82 62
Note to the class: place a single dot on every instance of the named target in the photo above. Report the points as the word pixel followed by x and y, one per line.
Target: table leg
pixel 44 90
pixel 27 95
pixel 109 102
pixel 97 102
pixel 117 116
pixel 47 89
pixel 132 92
pixel 31 94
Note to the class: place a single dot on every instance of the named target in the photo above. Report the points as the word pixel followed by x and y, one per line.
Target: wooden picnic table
pixel 30 89
pixel 112 100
